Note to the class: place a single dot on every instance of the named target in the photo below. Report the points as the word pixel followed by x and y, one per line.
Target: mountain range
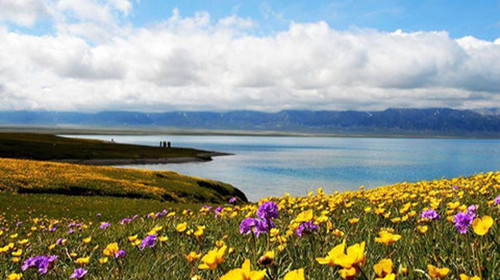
pixel 433 122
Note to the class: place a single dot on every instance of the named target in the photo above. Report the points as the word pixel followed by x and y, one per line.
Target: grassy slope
pixel 51 147
pixel 397 207
pixel 26 176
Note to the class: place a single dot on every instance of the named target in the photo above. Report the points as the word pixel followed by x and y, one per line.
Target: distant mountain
pixel 436 121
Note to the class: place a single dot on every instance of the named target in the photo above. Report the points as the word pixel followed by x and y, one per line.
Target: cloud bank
pixel 95 59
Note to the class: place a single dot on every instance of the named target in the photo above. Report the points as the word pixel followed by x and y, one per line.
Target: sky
pixel 162 55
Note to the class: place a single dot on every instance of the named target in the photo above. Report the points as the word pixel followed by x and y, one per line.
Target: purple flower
pixel 71 231
pixel 60 241
pixel 258 226
pixel 125 221
pixel 217 211
pixel 206 208
pixel 462 221
pixel 159 215
pixel 43 263
pixel 98 215
pixel 261 226
pixel 472 209
pixel 232 200
pixel 120 254
pixel 455 187
pixel 19 224
pixel 247 225
pixel 148 241
pixel 306 228
pixel 79 273
pixel 497 200
pixel 135 217
pixel 268 210
pixel 104 226
pixel 430 214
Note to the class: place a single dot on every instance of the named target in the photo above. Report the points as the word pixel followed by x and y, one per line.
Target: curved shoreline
pixel 201 157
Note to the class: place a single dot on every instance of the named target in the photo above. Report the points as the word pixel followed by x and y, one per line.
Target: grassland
pixel 403 231
pixel 29 177
pixel 51 147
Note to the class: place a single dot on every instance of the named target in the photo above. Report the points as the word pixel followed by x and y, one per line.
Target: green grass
pixel 20 207
pixel 51 147
pixel 441 245
pixel 28 176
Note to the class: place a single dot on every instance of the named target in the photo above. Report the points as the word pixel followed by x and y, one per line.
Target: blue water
pixel 272 166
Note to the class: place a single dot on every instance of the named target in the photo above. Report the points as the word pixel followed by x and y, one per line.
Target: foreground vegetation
pixel 50 147
pixel 27 176
pixel 444 229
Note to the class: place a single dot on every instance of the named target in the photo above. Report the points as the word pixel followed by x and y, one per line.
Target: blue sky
pixel 158 55
pixel 479 18
pixel 459 17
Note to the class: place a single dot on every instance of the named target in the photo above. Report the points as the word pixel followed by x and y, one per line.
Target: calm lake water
pixel 272 166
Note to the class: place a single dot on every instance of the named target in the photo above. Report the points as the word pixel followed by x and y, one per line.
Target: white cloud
pixel 22 12
pixel 196 63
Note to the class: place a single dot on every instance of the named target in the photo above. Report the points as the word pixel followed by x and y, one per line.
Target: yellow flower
pixel 353 221
pixel 244 273
pixel 453 205
pixel 267 259
pixel 22 242
pixel 348 273
pixel 181 227
pixel 111 249
pixel 73 255
pixel 87 240
pixel 213 258
pixel 14 236
pixel 465 277
pixel 332 255
pixel 383 267
pixel 193 256
pixel 482 225
pixel 386 237
pixel 297 274
pixel 15 276
pixel 391 276
pixel 103 260
pixel 338 233
pixel 355 255
pixel 155 230
pixel 422 229
pixel 199 231
pixel 132 238
pixel 305 216
pixel 83 261
pixel 162 238
pixel 17 253
pixel 435 272
pixel 52 246
pixel 220 243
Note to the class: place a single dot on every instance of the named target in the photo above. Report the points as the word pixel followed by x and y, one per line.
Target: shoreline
pixel 102 130
pixel 202 157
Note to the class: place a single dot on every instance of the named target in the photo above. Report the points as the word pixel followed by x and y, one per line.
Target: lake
pixel 271 166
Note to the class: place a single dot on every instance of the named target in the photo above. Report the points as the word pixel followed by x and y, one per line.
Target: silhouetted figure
pixel 169 144
pixel 161 143
pixel 164 144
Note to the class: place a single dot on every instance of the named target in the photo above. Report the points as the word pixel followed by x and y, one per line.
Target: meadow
pixel 40 146
pixel 442 229
pixel 35 177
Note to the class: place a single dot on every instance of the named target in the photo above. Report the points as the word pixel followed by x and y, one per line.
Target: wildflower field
pixel 443 229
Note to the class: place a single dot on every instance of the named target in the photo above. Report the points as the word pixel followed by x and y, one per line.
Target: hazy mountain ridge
pixel 435 121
